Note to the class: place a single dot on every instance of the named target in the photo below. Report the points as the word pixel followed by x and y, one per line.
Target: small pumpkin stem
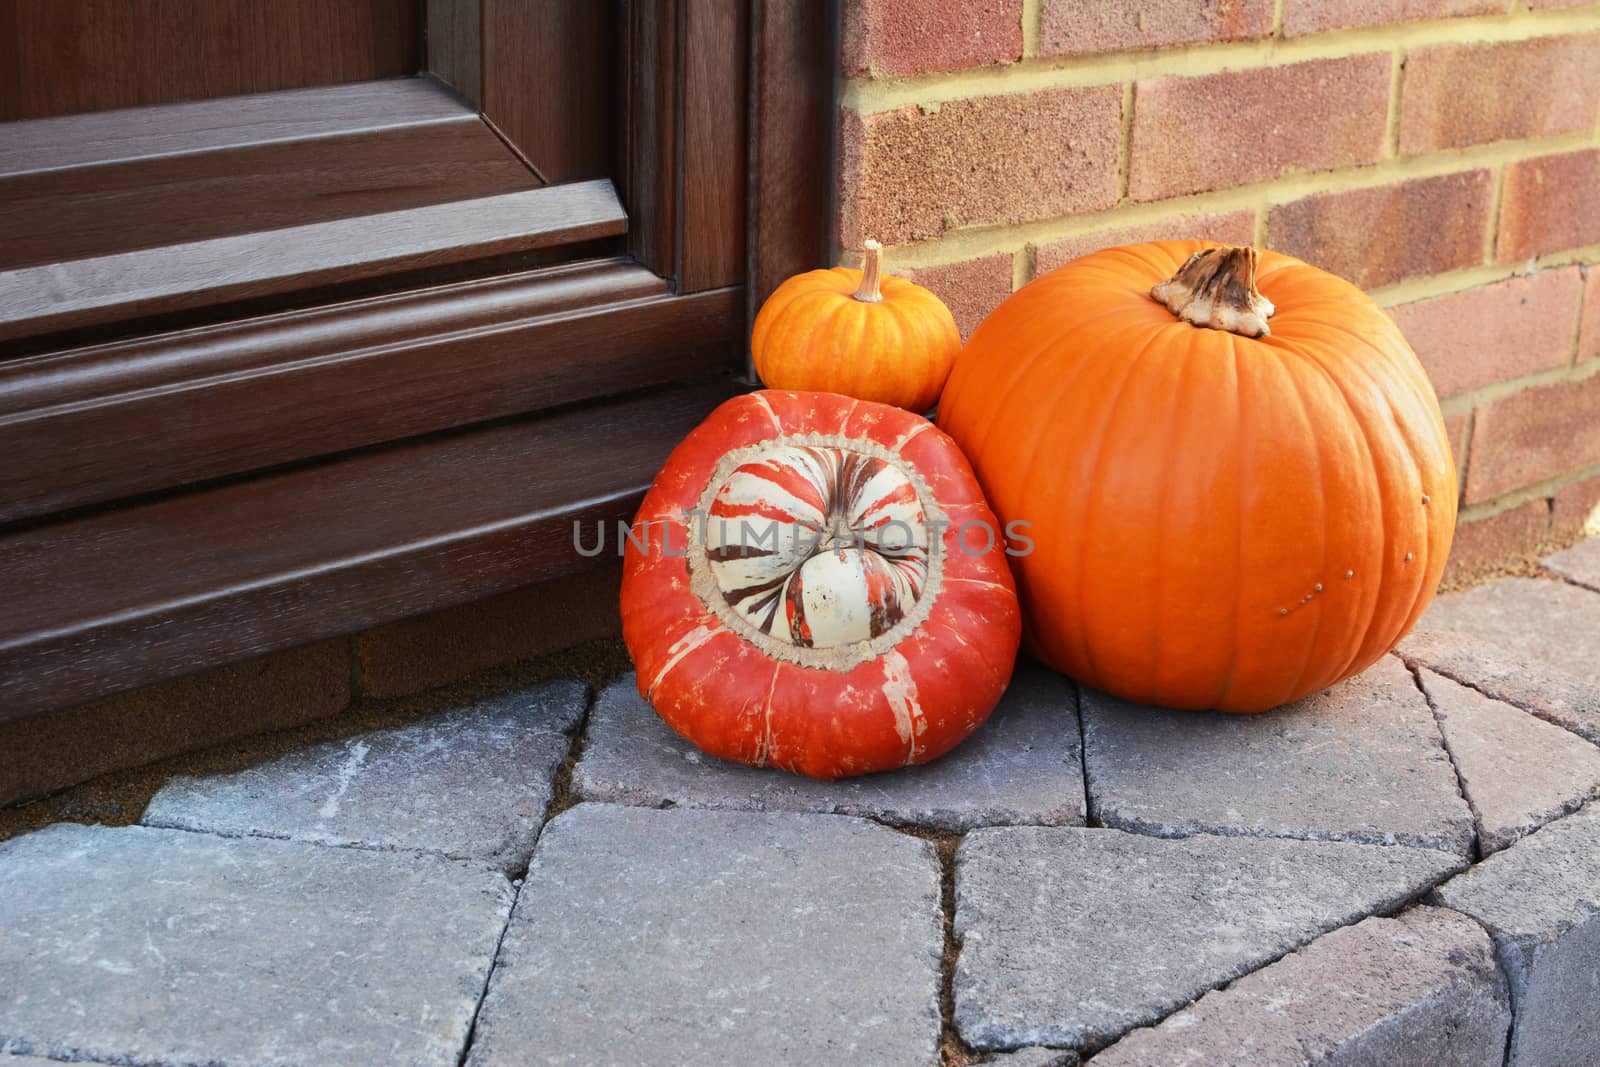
pixel 871 272
pixel 1216 289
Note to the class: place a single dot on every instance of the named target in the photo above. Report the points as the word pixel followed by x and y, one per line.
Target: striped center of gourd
pixel 818 546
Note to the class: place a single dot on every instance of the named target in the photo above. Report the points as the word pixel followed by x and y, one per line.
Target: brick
pixel 970 289
pixel 911 174
pixel 1421 988
pixel 1457 95
pixel 446 646
pixel 1517 771
pixel 1072 937
pixel 668 937
pixel 1483 546
pixel 1589 331
pixel 1360 761
pixel 1548 205
pixel 472 782
pixel 1388 233
pixel 133 945
pixel 1527 682
pixel 901 37
pixel 1022 766
pixel 1576 510
pixel 1072 27
pixel 1316 16
pixel 1219 130
pixel 1533 617
pixel 1579 564
pixel 1233 228
pixel 1532 435
pixel 50 752
pixel 1540 901
pixel 1496 332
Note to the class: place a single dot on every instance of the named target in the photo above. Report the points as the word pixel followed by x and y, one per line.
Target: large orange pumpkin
pixel 861 333
pixel 1231 506
pixel 815 583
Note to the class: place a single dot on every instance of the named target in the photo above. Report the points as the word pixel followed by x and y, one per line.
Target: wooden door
pixel 318 314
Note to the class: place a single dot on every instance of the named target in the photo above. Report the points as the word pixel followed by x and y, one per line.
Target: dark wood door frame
pixel 195 494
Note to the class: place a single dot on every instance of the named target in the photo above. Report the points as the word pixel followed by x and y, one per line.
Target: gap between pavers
pixel 1579 564
pixel 1540 901
pixel 1533 685
pixel 1361 761
pixel 1021 766
pixel 1422 988
pixel 1117 930
pixel 1537 618
pixel 1518 771
pixel 473 782
pixel 141 945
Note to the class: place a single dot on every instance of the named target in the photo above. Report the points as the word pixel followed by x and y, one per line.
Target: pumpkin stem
pixel 871 272
pixel 1216 289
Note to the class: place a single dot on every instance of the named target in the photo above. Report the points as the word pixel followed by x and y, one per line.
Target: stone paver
pixel 138 945
pixel 1518 771
pixel 1532 685
pixel 1361 761
pixel 1032 1057
pixel 473 782
pixel 1071 937
pixel 683 936
pixel 1580 563
pixel 1421 990
pixel 1540 900
pixel 1535 617
pixel 1022 766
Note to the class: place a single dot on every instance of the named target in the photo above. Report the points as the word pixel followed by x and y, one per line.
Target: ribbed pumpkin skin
pixel 812 334
pixel 724 693
pixel 1189 489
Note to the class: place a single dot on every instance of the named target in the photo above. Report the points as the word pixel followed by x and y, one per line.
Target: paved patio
pixel 1404 869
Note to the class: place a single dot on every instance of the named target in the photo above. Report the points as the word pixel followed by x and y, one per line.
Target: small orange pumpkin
pixel 1226 512
pixel 861 333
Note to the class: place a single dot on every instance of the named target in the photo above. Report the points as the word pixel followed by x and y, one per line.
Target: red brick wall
pixel 1443 154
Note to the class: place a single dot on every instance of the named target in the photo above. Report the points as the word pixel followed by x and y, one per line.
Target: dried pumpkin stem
pixel 871 272
pixel 1217 289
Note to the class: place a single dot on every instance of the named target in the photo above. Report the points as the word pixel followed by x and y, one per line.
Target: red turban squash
pixel 816 583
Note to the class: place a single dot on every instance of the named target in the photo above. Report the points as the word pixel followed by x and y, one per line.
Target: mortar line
pixel 1032 23
pixel 967 242
pixel 1566 372
pixel 1125 145
pixel 1516 498
pixel 1391 132
pixel 1415 671
pixel 1034 72
pixel 1497 199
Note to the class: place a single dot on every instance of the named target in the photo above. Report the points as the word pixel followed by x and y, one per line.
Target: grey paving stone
pixel 1022 766
pixel 1531 684
pixel 472 782
pixel 1518 771
pixel 1033 1057
pixel 1534 617
pixel 1071 937
pixel 683 936
pixel 1540 901
pixel 1421 990
pixel 138 945
pixel 1580 563
pixel 1361 761
pixel 31 1061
